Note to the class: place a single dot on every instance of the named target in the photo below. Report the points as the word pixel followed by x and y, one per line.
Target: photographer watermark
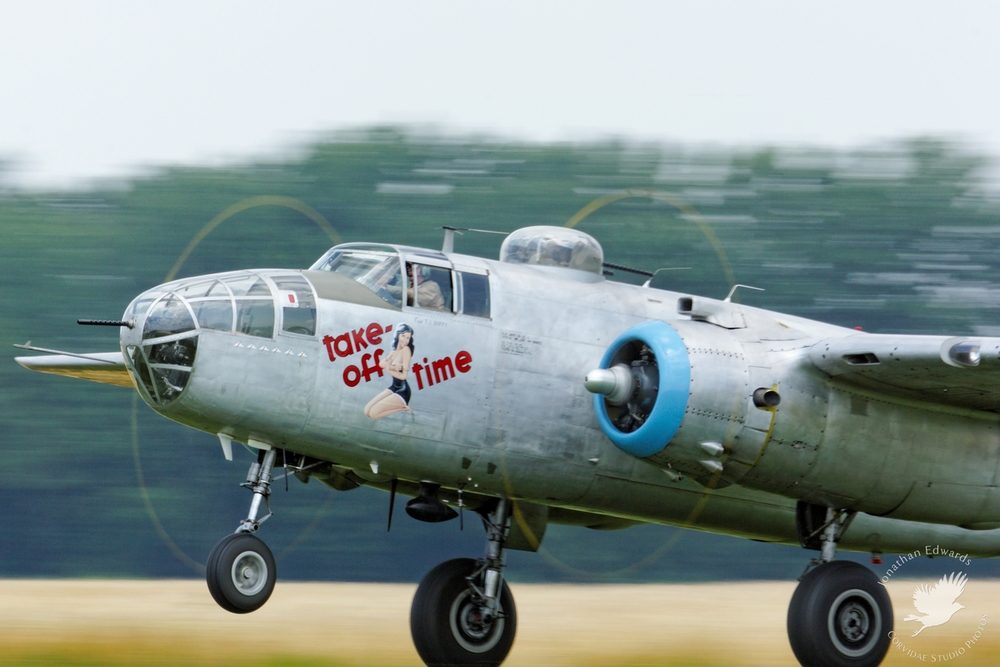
pixel 929 551
pixel 935 604
pixel 941 657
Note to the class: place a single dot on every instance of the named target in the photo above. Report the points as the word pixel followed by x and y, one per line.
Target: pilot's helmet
pixel 418 269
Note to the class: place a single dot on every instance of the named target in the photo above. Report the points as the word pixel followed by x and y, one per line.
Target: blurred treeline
pixel 892 238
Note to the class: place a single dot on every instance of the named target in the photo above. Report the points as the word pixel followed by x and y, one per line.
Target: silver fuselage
pixel 498 408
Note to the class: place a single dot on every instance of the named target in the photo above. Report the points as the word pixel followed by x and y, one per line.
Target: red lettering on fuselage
pixel 374 332
pixel 442 367
pixel 434 372
pixel 354 341
pixel 463 361
pixel 358 336
pixel 369 365
pixel 342 345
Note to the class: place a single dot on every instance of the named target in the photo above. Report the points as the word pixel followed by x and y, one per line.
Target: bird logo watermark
pixel 936 605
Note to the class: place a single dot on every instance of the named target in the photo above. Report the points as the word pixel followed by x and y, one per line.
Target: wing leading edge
pixel 104 367
pixel 958 371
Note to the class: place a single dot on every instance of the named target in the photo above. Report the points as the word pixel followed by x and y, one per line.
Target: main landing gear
pixel 240 570
pixel 840 614
pixel 463 614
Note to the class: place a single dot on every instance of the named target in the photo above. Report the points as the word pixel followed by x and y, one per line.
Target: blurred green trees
pixel 899 238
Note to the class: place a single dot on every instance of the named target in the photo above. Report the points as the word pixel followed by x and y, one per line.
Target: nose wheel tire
pixel 240 573
pixel 840 616
pixel 450 625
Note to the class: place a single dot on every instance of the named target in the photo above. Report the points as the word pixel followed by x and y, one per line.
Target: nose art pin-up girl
pixel 397 363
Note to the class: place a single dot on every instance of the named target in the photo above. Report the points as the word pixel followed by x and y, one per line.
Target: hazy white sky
pixel 90 89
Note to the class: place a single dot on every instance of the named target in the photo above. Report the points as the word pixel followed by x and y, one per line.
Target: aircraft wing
pixel 958 371
pixel 105 367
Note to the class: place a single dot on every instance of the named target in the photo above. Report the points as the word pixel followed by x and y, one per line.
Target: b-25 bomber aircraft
pixel 531 390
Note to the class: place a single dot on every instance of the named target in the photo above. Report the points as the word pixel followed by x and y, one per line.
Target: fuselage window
pixel 139 307
pixel 432 286
pixel 298 305
pixel 169 343
pixel 475 294
pixel 212 305
pixel 169 316
pixel 254 306
pixel 214 313
pixel 255 317
pixel 248 286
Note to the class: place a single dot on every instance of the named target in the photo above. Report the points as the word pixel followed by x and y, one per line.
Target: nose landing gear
pixel 840 614
pixel 463 613
pixel 241 570
pixel 241 573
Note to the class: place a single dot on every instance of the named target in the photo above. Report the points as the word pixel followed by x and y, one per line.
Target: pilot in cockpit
pixel 428 292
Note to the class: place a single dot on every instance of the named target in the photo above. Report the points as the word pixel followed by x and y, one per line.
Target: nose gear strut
pixel 241 571
pixel 258 481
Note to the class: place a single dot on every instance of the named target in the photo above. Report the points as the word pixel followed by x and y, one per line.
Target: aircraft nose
pixel 161 347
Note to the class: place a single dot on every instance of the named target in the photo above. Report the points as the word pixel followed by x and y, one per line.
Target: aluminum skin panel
pixel 497 407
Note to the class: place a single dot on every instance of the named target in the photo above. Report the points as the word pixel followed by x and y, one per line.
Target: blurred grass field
pixel 175 622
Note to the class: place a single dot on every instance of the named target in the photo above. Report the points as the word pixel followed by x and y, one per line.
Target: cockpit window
pixel 298 305
pixel 163 381
pixel 218 289
pixel 433 287
pixel 212 304
pixel 196 290
pixel 139 307
pixel 169 316
pixel 378 271
pixel 255 317
pixel 475 294
pixel 248 286
pixel 254 306
pixel 169 343
pixel 214 314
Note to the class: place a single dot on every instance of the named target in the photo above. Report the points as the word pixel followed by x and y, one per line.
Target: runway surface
pixel 159 623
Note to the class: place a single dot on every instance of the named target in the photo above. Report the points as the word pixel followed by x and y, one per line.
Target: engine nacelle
pixel 693 386
pixel 642 388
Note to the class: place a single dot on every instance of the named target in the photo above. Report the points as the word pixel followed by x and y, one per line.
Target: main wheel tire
pixel 210 572
pixel 240 573
pixel 446 624
pixel 840 616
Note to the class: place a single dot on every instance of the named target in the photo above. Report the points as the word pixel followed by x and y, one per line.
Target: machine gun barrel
pixel 108 323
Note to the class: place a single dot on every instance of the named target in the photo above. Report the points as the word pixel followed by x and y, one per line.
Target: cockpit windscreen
pixel 378 271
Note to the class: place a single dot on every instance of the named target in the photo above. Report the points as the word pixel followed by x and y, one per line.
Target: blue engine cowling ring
pixel 672 396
